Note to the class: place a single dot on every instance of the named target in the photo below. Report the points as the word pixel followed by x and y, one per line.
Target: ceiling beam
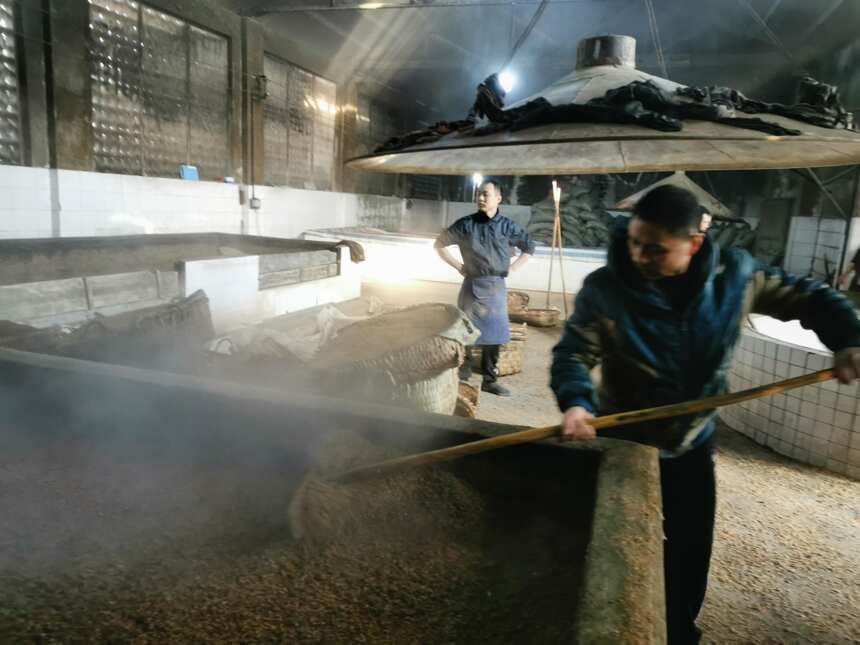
pixel 525 34
pixel 772 36
pixel 564 66
pixel 269 7
pixel 771 10
pixel 822 18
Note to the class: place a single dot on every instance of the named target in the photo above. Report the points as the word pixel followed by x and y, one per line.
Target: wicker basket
pixel 437 394
pixel 519 331
pixel 407 357
pixel 517 300
pixel 411 344
pixel 467 401
pixel 536 317
pixel 510 358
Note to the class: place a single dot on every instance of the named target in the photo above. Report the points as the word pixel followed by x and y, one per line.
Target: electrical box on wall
pixel 255 203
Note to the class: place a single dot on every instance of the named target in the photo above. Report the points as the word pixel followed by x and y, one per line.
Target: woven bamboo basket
pixel 536 317
pixel 407 357
pixel 410 344
pixel 437 393
pixel 467 401
pixel 517 300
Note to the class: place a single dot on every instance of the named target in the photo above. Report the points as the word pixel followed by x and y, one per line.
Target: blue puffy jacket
pixel 651 354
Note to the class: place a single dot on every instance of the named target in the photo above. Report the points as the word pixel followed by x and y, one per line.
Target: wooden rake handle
pixel 598 423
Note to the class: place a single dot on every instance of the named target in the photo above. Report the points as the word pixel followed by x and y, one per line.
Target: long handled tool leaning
pixel 557 243
pixel 320 503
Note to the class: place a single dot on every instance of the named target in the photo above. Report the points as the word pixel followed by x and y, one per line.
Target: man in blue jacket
pixel 485 239
pixel 662 319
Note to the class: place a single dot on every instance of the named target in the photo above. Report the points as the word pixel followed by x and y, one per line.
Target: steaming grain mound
pixel 113 541
pixel 372 508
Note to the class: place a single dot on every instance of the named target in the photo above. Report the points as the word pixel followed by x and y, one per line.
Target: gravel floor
pixel 786 565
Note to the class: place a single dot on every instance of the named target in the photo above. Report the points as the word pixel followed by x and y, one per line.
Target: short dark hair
pixel 494 183
pixel 672 208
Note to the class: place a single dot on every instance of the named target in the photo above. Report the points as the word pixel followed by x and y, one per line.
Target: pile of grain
pixel 138 548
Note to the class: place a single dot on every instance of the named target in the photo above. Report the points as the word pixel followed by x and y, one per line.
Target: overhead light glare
pixel 507 80
pixel 477 179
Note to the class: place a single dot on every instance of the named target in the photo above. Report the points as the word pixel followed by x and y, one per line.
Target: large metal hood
pixel 605 63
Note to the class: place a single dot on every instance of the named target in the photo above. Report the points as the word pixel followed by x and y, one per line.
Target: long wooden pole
pixel 598 423
pixel 556 234
pixel 561 256
pixel 551 263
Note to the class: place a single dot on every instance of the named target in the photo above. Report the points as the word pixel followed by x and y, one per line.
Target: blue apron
pixel 485 301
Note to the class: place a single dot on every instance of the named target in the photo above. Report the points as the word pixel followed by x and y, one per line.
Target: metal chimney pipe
pixel 619 51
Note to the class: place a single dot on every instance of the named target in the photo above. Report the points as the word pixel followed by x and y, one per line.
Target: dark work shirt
pixel 485 243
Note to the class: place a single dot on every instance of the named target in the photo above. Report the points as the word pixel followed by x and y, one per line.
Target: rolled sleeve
pixel 448 237
pixel 521 239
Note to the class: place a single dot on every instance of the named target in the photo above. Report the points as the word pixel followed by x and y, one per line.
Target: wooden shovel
pixel 598 423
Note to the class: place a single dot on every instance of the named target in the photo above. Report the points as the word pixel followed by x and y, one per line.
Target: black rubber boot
pixel 493 387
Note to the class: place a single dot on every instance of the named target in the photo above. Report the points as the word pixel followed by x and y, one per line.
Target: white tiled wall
pixel 89 203
pixel 104 204
pixel 25 202
pixel 815 237
pixel 288 212
pixel 37 202
pixel 818 425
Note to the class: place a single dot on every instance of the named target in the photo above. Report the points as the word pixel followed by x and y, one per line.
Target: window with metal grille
pixel 10 109
pixel 160 92
pixel 298 126
pixel 374 124
pixel 426 187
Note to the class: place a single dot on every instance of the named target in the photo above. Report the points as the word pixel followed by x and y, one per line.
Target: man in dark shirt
pixel 485 239
pixel 662 319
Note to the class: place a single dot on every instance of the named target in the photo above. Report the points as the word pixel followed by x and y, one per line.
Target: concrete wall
pixel 75 299
pixel 235 296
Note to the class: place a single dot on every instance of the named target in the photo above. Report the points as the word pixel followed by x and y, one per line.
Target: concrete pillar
pixel 69 89
pixel 32 18
pixel 348 141
pixel 252 102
